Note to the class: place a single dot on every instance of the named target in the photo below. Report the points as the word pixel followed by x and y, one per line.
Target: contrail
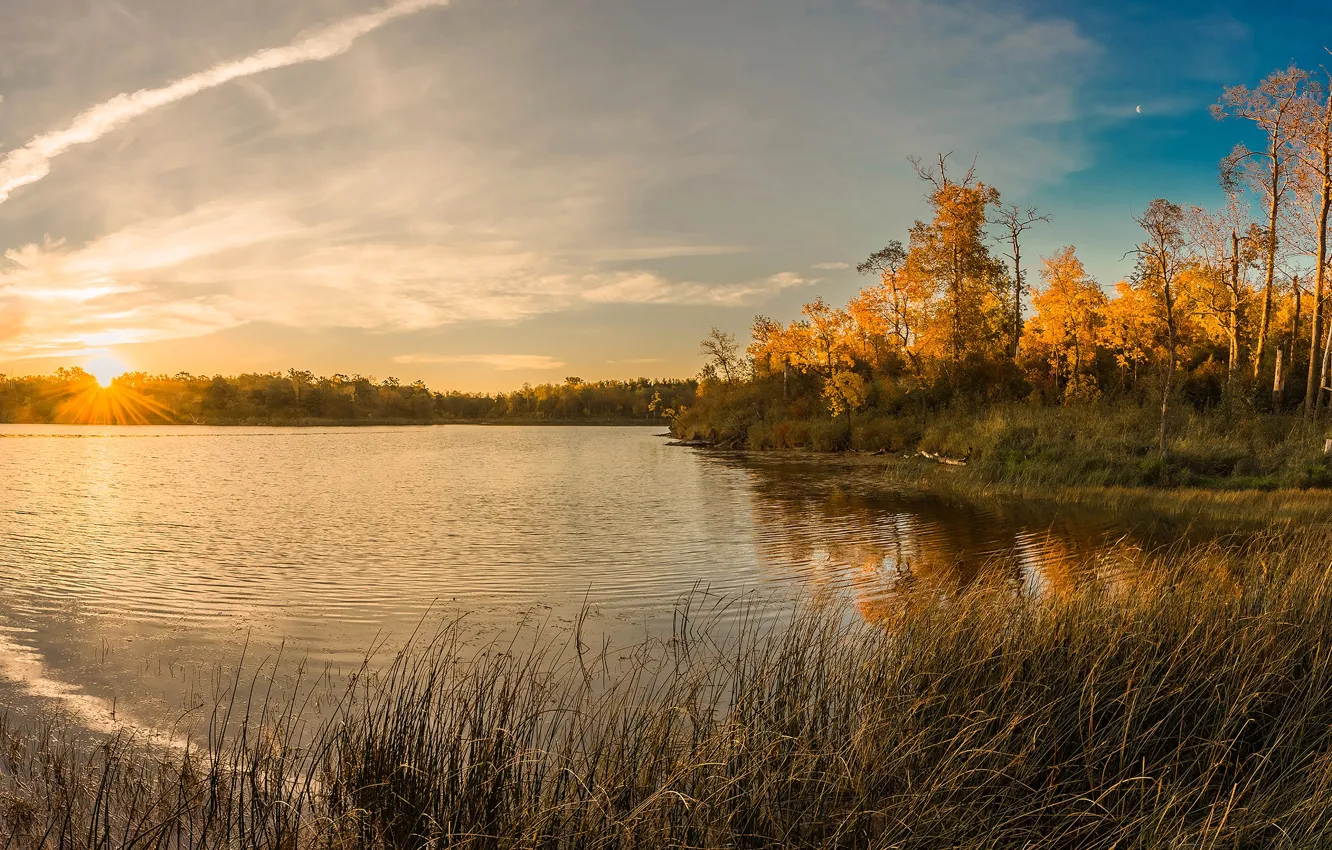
pixel 32 162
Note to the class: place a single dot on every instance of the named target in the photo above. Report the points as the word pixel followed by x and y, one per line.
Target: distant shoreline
pixel 356 423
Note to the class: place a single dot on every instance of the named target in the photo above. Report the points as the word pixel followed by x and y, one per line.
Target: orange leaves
pixel 950 268
pixel 1131 325
pixel 1070 312
pixel 829 335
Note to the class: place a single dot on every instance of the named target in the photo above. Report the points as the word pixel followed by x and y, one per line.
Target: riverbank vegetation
pixel 1208 365
pixel 1178 700
pixel 72 396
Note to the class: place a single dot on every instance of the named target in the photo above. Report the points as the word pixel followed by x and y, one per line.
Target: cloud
pixel 32 162
pixel 648 288
pixel 500 362
pixel 502 162
pixel 831 267
pixel 13 317
pixel 666 252
pixel 1167 106
pixel 223 265
pixel 114 290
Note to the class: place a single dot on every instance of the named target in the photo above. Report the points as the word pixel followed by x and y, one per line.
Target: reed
pixel 1187 706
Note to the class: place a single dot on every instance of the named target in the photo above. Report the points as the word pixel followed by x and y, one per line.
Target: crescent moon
pixel 1139 110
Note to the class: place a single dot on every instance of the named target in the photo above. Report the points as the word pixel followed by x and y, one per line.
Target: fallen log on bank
pixel 938 458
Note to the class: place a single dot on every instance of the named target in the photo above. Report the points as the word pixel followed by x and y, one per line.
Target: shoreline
pixel 1275 506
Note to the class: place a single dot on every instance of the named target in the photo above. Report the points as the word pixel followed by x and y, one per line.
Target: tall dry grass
pixel 1190 707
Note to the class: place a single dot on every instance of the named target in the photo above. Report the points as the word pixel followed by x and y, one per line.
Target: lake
pixel 140 562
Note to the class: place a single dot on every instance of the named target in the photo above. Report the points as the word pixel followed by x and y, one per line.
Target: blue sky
pixel 489 192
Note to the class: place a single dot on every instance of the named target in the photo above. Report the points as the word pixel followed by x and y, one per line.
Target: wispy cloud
pixel 500 362
pixel 1166 106
pixel 227 264
pixel 648 288
pixel 32 162
pixel 662 252
pixel 831 267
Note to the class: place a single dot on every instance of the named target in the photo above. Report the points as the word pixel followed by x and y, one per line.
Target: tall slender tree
pixel 1311 151
pixel 1274 106
pixel 1224 244
pixel 1160 259
pixel 1013 221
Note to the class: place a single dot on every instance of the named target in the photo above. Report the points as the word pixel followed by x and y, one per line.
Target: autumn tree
pixel 844 392
pixel 1128 327
pixel 1224 245
pixel 950 252
pixel 827 335
pixel 1275 107
pixel 902 299
pixel 722 353
pixel 868 327
pixel 1160 259
pixel 761 349
pixel 1069 312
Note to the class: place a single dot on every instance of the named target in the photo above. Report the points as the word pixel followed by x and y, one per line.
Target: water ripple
pixel 138 544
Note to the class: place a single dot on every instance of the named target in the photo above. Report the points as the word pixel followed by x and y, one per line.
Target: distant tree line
pixel 297 396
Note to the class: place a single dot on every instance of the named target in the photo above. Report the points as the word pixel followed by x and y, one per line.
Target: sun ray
pixel 85 400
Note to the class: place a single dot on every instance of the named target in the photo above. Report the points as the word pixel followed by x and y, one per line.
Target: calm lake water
pixel 135 558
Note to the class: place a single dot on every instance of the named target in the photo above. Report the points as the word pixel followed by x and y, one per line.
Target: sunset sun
pixel 105 369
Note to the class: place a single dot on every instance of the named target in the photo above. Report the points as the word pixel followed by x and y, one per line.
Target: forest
pixel 72 396
pixel 1208 364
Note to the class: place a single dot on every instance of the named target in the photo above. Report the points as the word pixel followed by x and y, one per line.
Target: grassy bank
pixel 1191 707
pixel 1094 445
pixel 1207 510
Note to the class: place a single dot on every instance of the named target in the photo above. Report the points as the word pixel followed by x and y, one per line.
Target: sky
pixel 482 193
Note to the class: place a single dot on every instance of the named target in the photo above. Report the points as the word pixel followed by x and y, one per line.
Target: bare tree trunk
pixel 1294 327
pixel 1170 367
pixel 1077 365
pixel 1017 298
pixel 1327 355
pixel 1234 351
pixel 1273 209
pixel 1312 388
pixel 1016 222
pixel 1233 362
pixel 1165 402
pixel 1278 385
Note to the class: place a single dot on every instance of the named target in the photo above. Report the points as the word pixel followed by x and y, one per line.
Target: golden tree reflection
pixel 848 536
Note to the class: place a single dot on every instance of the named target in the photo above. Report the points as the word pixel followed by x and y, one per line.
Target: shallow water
pixel 136 561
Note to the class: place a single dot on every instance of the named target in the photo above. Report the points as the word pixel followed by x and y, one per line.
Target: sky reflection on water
pixel 139 562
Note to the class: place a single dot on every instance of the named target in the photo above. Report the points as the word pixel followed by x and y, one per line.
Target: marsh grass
pixel 1112 445
pixel 1189 706
pixel 1100 444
